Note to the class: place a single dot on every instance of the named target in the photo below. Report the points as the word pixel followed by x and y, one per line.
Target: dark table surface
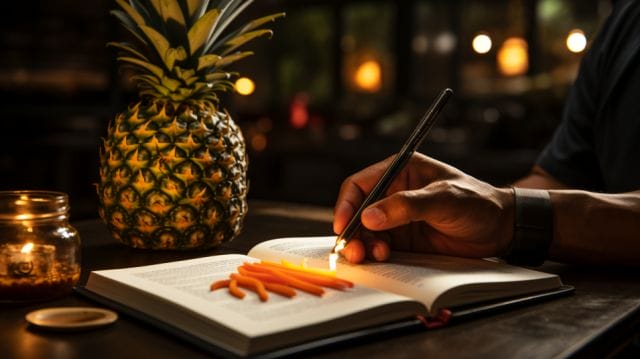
pixel 601 319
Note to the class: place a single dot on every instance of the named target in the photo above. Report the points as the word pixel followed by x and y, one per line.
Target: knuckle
pixel 349 181
pixel 445 188
pixel 407 203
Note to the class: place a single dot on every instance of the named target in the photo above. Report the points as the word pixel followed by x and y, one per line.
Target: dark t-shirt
pixel 597 145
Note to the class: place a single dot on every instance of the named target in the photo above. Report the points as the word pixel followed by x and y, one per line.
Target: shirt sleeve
pixel 570 157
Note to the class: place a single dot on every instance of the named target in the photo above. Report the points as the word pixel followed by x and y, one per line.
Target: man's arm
pixel 596 228
pixel 433 207
pixel 590 227
pixel 539 178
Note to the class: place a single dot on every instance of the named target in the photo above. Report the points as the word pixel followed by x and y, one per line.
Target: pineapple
pixel 173 167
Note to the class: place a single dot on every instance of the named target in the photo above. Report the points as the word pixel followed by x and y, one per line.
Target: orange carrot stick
pixel 319 279
pixel 256 268
pixel 323 282
pixel 320 271
pixel 251 283
pixel 234 290
pixel 293 281
pixel 281 289
pixel 344 282
pixel 249 265
pixel 302 285
pixel 270 282
pixel 219 284
pixel 261 276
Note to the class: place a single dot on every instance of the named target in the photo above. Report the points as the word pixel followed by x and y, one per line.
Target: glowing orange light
pixel 244 86
pixel 513 58
pixel 26 249
pixel 368 76
pixel 259 142
pixel 304 267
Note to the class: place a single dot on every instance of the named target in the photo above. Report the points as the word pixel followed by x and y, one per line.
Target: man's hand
pixel 430 207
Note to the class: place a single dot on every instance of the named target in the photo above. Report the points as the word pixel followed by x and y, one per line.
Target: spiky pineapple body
pixel 173 176
pixel 173 167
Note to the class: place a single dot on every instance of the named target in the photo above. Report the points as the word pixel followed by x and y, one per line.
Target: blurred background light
pixel 259 142
pixel 349 132
pixel 445 42
pixel 513 58
pixel 549 10
pixel 368 76
pixel 481 43
pixel 576 41
pixel 420 44
pixel 244 86
pixel 299 111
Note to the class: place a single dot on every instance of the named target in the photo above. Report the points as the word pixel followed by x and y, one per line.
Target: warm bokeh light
pixel 513 58
pixel 299 111
pixel 445 43
pixel 481 43
pixel 420 44
pixel 244 86
pixel 264 124
pixel 259 142
pixel 576 41
pixel 349 132
pixel 368 76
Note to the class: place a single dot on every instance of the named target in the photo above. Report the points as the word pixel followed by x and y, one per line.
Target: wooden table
pixel 602 318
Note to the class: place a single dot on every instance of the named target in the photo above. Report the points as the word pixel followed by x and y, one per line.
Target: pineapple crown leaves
pixel 183 47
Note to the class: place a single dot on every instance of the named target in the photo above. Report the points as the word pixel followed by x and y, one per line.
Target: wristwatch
pixel 533 229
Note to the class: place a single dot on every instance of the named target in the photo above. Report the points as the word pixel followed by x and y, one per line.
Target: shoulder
pixel 599 105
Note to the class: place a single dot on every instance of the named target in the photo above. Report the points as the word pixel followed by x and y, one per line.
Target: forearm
pixel 539 178
pixel 596 228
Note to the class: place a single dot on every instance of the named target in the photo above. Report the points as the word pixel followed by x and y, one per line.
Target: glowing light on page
pixel 333 257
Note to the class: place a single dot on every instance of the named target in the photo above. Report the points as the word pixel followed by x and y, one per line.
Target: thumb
pixel 398 209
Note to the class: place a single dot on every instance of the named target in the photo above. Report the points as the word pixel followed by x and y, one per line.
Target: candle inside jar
pixel 28 260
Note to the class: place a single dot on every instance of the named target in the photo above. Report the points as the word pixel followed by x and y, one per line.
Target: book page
pixel 185 284
pixel 436 281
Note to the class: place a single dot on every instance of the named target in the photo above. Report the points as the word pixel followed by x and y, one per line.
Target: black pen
pixel 410 146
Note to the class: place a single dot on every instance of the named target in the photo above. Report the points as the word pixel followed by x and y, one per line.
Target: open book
pixel 176 295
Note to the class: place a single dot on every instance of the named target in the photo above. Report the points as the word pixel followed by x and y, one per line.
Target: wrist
pixel 505 236
pixel 532 229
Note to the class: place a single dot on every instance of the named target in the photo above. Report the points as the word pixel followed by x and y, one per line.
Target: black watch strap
pixel 533 227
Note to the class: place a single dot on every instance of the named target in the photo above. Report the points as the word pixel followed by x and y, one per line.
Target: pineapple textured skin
pixel 173 166
pixel 173 177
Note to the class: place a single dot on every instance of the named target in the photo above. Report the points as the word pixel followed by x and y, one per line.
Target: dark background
pixel 307 125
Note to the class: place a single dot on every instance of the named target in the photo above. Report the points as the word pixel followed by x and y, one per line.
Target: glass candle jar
pixel 39 250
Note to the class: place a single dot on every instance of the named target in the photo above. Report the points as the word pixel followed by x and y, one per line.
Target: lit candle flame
pixel 26 249
pixel 333 257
